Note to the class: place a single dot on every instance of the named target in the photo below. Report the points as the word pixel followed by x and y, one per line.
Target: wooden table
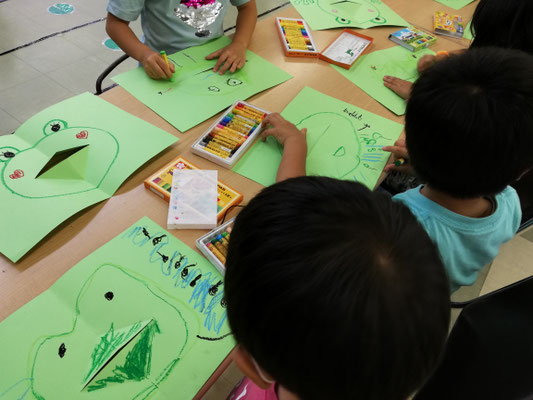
pixel 89 229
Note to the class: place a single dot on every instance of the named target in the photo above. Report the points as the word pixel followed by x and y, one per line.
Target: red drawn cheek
pixel 82 135
pixel 18 173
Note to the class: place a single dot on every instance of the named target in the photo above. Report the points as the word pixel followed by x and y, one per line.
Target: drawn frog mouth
pixel 66 161
pixel 125 340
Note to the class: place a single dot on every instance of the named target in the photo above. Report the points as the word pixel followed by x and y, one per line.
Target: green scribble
pixel 138 361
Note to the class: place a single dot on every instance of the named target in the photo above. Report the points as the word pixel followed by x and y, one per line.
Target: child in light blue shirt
pixel 469 134
pixel 466 244
pixel 173 25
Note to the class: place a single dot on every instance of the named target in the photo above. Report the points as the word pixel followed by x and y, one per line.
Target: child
pixel 488 30
pixel 469 134
pixel 327 296
pixel 163 30
pixel 469 130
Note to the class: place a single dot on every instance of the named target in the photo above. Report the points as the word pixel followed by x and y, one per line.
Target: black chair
pixel 107 71
pixel 489 354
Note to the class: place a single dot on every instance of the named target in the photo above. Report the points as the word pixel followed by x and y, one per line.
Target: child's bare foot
pixel 399 86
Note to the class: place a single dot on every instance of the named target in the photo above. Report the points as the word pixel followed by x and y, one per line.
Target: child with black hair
pixel 469 134
pixel 327 296
pixel 488 29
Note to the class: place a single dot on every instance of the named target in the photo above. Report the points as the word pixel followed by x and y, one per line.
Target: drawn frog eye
pixel 344 21
pixel 213 89
pixel 7 153
pixel 378 20
pixel 62 350
pixel 233 82
pixel 54 126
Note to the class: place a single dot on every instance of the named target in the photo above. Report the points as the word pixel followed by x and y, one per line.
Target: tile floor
pixel 63 65
pixel 37 76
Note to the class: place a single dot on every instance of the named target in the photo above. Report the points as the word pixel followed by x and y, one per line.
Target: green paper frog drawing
pixel 350 12
pixel 203 81
pixel 333 145
pixel 90 154
pixel 127 359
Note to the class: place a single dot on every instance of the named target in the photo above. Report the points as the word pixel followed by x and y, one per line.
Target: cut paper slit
pixel 143 317
pixel 110 345
pixel 87 147
pixel 59 157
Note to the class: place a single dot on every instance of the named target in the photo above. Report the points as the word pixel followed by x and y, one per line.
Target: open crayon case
pixel 228 138
pixel 214 245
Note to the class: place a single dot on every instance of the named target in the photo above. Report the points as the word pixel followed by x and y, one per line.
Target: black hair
pixel 469 122
pixel 503 23
pixel 336 291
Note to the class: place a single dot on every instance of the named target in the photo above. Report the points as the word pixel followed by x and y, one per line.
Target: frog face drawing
pixel 84 156
pixel 350 12
pixel 209 83
pixel 334 148
pixel 119 343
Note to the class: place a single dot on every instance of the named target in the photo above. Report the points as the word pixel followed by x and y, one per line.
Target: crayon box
pixel 161 183
pixel 296 38
pixel 214 252
pixel 228 138
pixel 346 48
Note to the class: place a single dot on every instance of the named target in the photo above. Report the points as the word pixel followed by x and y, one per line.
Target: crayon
pixel 252 110
pixel 216 151
pixel 246 115
pixel 219 247
pixel 250 114
pixel 235 129
pixel 219 142
pixel 217 253
pixel 399 162
pixel 222 239
pixel 228 135
pixel 225 139
pixel 165 59
pixel 228 121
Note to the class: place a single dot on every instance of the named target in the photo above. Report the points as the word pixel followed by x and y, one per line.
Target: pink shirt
pixel 247 390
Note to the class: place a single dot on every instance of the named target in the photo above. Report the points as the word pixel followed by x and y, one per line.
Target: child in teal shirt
pixel 171 25
pixel 469 134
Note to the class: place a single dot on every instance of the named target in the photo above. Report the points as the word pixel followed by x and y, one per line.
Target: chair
pixel 107 71
pixel 489 354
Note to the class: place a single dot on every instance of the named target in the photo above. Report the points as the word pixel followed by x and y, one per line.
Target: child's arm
pixel 294 145
pixel 233 56
pixel 121 33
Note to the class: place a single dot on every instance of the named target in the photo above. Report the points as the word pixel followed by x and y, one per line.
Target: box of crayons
pixel 296 38
pixel 161 183
pixel 229 137
pixel 214 245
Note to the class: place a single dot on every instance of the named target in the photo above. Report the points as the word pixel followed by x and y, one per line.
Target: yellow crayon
pixel 165 59
pixel 217 253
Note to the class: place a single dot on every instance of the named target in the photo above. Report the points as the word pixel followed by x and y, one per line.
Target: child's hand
pixel 428 60
pixel 231 57
pixel 283 131
pixel 399 151
pixel 155 66
pixel 399 86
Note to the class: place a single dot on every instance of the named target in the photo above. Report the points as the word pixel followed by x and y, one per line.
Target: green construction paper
pixel 468 32
pixel 141 317
pixel 197 93
pixel 343 141
pixel 364 14
pixel 455 4
pixel 369 70
pixel 111 144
